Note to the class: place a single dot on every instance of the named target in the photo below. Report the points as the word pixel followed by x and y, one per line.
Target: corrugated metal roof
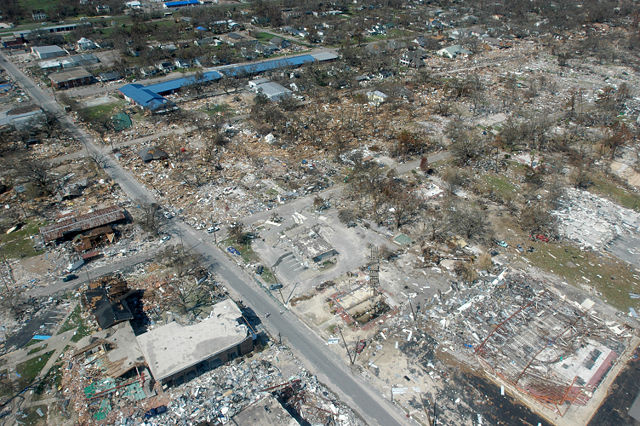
pixel 143 96
pixel 149 96
pixel 272 90
pixel 324 56
pixel 173 85
pixel 48 49
pixel 181 3
pixel 248 69
pixel 82 223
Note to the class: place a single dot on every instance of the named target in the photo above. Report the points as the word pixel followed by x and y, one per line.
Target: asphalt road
pixel 87 273
pixel 303 341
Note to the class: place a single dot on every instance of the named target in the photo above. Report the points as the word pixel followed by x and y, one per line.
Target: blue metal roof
pixel 150 96
pixel 173 85
pixel 259 67
pixel 143 96
pixel 181 3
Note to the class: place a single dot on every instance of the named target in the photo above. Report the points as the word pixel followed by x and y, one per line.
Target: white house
pixel 376 97
pixel 454 51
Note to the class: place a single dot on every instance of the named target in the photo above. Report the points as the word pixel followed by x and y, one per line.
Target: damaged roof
pixel 172 348
pixel 82 223
pixel 108 313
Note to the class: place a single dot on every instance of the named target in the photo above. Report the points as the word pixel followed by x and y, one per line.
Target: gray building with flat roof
pixel 176 353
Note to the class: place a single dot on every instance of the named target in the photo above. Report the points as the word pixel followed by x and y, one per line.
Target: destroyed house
pixel 68 228
pixel 108 311
pixel 176 353
pixel 116 348
pixel 93 238
pixel 150 154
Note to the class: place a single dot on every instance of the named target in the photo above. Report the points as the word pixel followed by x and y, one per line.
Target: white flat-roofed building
pixel 175 353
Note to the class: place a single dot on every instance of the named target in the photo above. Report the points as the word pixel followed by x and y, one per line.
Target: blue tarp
pixel 41 337
pixel 201 28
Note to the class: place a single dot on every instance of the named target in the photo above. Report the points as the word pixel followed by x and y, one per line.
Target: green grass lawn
pixel 268 277
pixel 606 188
pixel 18 244
pixel 246 252
pixel 37 349
pixel 51 380
pixel 264 36
pixel 75 320
pixel 45 5
pixel 30 416
pixel 218 108
pixel 611 277
pixel 501 186
pixel 29 369
pixel 102 112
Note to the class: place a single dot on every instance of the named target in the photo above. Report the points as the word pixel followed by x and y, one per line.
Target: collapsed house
pixel 113 369
pixel 68 228
pixel 267 412
pixel 116 348
pixel 106 299
pixel 177 353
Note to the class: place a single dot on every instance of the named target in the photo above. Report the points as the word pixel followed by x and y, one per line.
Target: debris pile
pixel 593 221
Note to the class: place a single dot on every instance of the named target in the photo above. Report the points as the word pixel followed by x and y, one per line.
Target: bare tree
pixel 467 220
pixel 151 219
pixel 38 174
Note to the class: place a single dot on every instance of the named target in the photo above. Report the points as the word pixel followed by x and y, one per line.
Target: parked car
pixel 155 411
pixel 69 277
pixel 275 286
pixel 233 250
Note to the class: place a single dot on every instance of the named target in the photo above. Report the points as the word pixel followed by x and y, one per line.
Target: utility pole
pixel 291 294
pixel 282 297
pixel 425 409
pixel 213 224
pixel 346 346
pixel 412 311
pixel 374 271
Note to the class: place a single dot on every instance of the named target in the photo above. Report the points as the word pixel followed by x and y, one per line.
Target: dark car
pixel 155 411
pixel 275 286
pixel 69 277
